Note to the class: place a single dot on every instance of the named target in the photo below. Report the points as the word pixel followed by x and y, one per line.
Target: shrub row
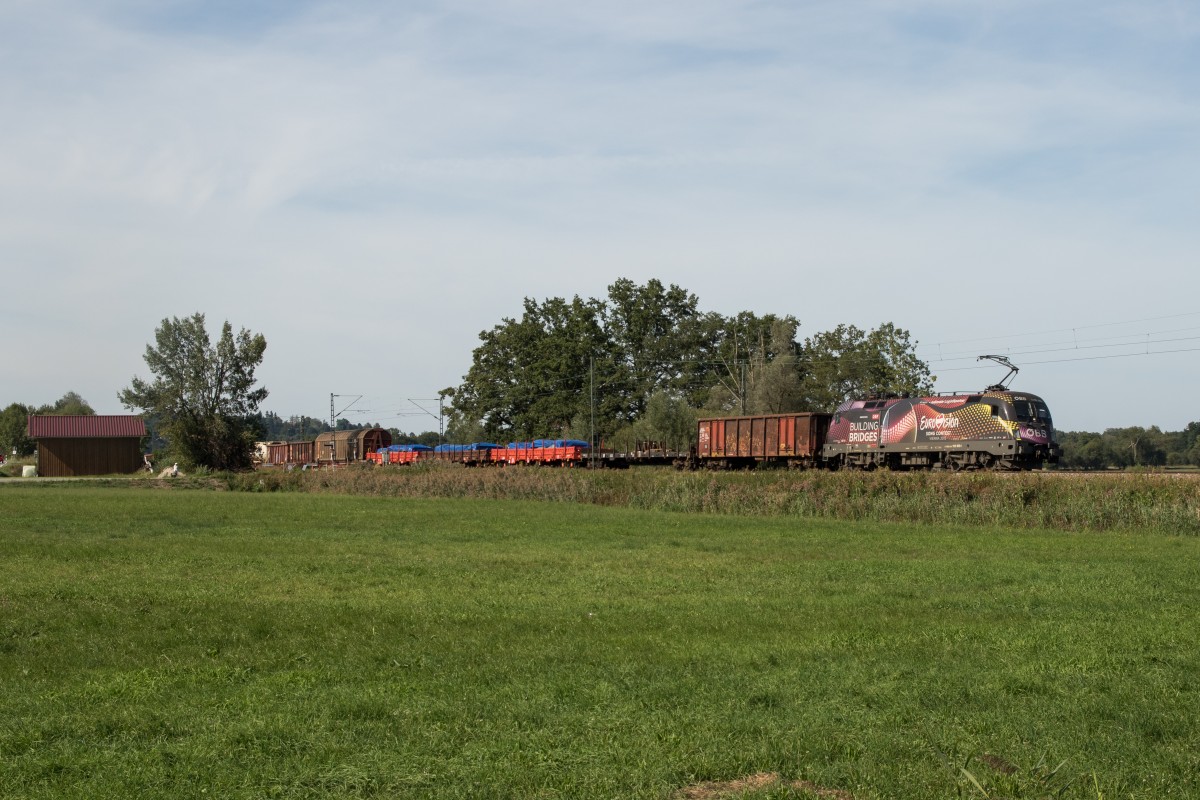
pixel 1096 502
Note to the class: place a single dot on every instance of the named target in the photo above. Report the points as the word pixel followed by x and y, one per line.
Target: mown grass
pixel 168 644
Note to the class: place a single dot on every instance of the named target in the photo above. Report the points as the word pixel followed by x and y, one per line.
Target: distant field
pixel 293 645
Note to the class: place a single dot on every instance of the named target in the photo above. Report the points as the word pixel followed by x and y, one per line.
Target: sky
pixel 372 184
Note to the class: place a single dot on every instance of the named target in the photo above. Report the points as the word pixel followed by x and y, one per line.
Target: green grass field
pixel 216 644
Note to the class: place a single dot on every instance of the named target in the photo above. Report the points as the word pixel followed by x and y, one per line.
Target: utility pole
pixel 592 405
pixel 743 388
pixel 333 414
pixel 441 415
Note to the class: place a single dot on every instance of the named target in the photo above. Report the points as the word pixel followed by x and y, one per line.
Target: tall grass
pixel 1168 503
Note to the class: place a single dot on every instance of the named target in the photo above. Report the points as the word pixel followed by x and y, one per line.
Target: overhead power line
pixel 1073 329
pixel 1088 358
pixel 1138 342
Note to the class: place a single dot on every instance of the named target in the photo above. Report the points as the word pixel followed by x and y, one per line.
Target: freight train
pixel 995 429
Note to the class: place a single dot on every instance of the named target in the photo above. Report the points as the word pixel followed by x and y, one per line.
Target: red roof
pixel 113 426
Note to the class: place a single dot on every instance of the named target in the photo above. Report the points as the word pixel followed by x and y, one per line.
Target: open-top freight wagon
pixel 791 440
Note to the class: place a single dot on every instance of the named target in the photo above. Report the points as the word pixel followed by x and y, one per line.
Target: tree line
pixel 274 428
pixel 640 364
pixel 14 438
pixel 1122 448
pixel 645 359
pixel 1115 448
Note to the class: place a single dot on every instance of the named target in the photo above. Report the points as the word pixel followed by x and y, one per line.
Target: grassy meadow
pixel 303 645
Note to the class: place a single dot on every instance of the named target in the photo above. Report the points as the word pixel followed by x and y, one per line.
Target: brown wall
pixel 350 445
pixel 64 458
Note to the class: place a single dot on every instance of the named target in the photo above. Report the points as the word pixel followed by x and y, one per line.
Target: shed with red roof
pixel 69 446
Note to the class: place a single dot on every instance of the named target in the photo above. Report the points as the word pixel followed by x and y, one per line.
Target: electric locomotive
pixel 995 429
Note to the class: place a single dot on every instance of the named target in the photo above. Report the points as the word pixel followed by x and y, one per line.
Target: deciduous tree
pixel 203 396
pixel 70 404
pixel 529 376
pixel 14 428
pixel 774 378
pixel 848 362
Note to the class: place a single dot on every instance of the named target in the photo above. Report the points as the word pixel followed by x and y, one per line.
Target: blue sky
pixel 371 184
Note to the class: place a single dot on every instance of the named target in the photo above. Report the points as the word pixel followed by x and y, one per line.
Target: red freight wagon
pixel 400 454
pixel 394 458
pixel 792 439
pixel 568 455
pixel 475 454
pixel 557 452
pixel 405 458
pixel 513 455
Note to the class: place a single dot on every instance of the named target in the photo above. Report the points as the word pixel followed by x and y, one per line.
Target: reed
pixel 1072 502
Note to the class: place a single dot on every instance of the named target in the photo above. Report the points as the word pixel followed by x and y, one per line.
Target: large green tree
pixel 530 376
pixel 548 372
pixel 773 385
pixel 668 422
pixel 203 396
pixel 847 362
pixel 653 336
pixel 731 348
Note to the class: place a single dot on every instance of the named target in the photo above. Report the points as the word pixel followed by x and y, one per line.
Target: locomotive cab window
pixel 1032 411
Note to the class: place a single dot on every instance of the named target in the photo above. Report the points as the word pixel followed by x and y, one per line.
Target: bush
pixel 1093 502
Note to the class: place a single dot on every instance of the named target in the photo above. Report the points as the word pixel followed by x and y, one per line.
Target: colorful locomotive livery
pixel 996 429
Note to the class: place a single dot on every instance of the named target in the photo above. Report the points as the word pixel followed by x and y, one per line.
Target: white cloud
pixel 373 187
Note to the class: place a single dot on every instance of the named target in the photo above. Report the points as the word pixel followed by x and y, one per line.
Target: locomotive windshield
pixel 1032 411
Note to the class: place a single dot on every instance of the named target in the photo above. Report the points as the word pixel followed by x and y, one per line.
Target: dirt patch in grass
pixel 997 763
pixel 759 782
